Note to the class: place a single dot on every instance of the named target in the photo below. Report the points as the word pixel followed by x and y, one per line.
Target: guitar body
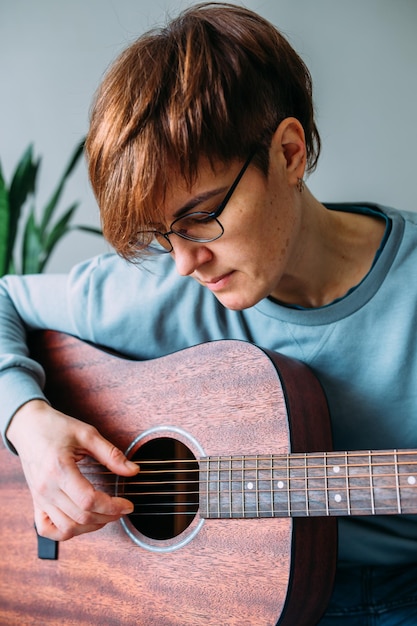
pixel 220 398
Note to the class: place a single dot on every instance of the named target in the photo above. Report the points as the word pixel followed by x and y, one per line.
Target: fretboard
pixel 317 484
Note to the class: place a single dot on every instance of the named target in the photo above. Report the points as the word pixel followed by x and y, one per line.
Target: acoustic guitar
pixel 235 503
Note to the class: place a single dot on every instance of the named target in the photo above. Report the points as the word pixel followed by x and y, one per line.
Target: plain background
pixel 362 55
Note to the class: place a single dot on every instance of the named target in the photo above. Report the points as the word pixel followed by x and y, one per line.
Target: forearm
pixel 21 378
pixel 17 388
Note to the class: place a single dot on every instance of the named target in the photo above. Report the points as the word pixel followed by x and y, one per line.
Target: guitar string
pixel 280 509
pixel 265 480
pixel 246 470
pixel 223 496
pixel 93 467
pixel 271 460
pixel 226 512
pixel 332 455
pixel 249 476
pixel 309 485
pixel 223 500
pixel 294 468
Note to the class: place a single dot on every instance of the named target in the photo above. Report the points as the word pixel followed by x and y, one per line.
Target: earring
pixel 300 185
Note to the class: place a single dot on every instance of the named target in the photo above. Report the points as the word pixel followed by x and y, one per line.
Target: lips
pixel 217 282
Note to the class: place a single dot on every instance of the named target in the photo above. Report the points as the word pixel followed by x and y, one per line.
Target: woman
pixel 201 136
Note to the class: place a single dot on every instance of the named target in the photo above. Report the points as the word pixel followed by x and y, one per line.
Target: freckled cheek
pixel 275 233
pixel 284 249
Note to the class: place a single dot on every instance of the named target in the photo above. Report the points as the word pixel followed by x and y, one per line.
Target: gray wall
pixel 362 55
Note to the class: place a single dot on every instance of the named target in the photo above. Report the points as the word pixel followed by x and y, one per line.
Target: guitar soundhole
pixel 165 492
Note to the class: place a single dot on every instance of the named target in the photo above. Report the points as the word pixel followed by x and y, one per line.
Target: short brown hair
pixel 215 82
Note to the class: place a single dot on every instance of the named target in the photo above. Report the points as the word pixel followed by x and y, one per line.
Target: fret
pixel 371 484
pixel 306 485
pixel 242 491
pixel 347 484
pixel 250 488
pixel 237 476
pixel 217 488
pixel 326 483
pixel 280 486
pixel 374 483
pixel 288 485
pixel 209 505
pixel 230 481
pixel 309 484
pixel 265 486
pixel 386 496
pixel 207 485
pixel 297 485
pixel 358 484
pixel 407 480
pixel 337 482
pixel 315 484
pixel 204 487
pixel 271 485
pixel 224 488
pixel 236 500
pixel 397 482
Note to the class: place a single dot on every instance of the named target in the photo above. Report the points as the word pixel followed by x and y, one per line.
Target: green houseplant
pixel 27 236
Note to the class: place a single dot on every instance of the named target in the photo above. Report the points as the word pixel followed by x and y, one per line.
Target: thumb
pixel 109 455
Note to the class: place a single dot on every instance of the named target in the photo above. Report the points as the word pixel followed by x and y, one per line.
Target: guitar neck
pixel 313 484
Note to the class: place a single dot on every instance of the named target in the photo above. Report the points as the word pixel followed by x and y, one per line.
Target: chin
pixel 234 303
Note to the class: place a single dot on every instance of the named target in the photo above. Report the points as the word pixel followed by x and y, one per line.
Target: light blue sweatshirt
pixel 363 348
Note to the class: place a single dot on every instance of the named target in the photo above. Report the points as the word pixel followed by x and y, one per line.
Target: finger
pixel 59 527
pixel 82 502
pixel 65 519
pixel 107 454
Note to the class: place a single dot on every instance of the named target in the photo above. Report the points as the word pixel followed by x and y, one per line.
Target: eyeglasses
pixel 201 226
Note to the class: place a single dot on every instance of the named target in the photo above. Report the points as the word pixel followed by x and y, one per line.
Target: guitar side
pixel 229 398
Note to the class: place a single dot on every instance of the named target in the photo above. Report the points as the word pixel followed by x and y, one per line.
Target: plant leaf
pixel 51 205
pixel 39 236
pixel 24 179
pixel 59 229
pixel 88 229
pixel 4 225
pixel 31 246
pixel 23 184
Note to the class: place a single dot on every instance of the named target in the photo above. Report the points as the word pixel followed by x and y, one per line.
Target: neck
pixel 317 483
pixel 334 252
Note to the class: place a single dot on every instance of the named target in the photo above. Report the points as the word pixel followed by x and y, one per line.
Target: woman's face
pixel 261 224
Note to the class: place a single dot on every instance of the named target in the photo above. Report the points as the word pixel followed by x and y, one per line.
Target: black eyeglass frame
pixel 208 216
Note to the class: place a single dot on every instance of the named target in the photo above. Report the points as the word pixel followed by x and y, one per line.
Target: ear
pixel 288 142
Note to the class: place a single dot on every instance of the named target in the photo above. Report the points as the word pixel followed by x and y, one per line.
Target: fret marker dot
pixel 338 497
pixel 280 484
pixel 411 480
pixel 250 485
pixel 336 469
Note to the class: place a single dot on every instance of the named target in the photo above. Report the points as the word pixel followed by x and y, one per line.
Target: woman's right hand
pixel 50 444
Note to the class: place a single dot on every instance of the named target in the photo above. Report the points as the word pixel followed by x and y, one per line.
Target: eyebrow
pixel 199 199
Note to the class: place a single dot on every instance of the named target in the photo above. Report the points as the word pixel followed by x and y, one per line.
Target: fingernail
pixel 131 465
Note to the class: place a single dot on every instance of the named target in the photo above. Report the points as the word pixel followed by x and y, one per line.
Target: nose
pixel 189 256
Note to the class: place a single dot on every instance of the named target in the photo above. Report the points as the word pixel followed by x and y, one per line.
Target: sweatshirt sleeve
pixel 27 303
pixel 87 300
